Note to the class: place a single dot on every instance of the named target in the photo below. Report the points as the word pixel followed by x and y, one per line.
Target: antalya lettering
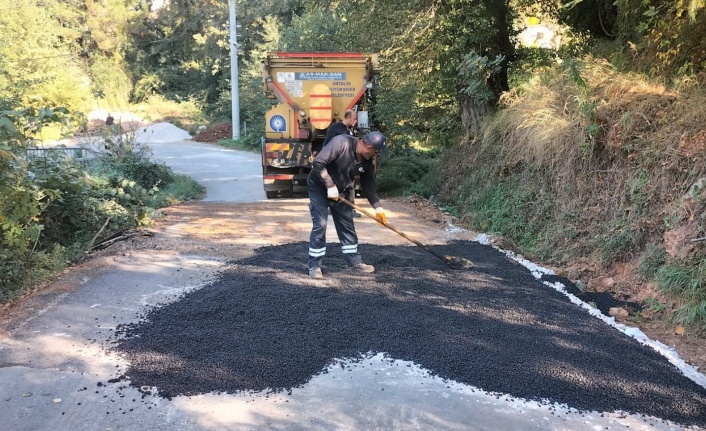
pixel 320 76
pixel 342 89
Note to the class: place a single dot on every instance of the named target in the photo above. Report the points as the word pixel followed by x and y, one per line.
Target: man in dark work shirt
pixel 332 176
pixel 347 126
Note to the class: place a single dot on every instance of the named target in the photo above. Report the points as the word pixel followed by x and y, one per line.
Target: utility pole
pixel 234 71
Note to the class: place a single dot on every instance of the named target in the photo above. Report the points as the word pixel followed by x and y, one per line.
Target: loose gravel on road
pixel 264 325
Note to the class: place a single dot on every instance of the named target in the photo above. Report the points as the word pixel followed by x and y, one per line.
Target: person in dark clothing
pixel 345 127
pixel 332 175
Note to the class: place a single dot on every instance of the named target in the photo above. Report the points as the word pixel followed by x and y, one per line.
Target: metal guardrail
pixel 77 154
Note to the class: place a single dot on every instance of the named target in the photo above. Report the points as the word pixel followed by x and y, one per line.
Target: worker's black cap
pixel 377 140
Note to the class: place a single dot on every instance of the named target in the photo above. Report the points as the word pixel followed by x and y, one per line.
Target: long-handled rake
pixel 453 261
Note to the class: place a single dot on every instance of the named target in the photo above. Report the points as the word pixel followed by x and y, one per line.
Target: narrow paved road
pixel 229 176
pixel 211 324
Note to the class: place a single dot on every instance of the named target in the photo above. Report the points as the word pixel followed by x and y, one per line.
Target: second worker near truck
pixel 344 127
pixel 333 174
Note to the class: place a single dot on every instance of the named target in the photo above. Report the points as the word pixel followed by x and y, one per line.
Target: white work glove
pixel 380 215
pixel 332 193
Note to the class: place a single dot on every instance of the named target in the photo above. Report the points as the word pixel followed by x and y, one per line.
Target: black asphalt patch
pixel 264 325
pixel 603 301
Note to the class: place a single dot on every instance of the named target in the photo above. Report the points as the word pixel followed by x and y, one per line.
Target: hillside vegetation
pixel 599 173
pixel 57 206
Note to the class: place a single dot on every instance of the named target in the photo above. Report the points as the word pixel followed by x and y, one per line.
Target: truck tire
pixel 271 194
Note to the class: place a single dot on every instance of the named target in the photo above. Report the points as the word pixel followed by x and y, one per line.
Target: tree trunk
pixel 500 11
pixel 472 114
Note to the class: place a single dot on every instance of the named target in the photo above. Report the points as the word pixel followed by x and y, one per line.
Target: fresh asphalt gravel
pixel 265 326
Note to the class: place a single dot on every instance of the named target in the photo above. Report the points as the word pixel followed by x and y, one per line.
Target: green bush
pixel 23 199
pixel 147 86
pixel 181 188
pixel 82 209
pixel 110 80
pixel 405 175
pixel 20 271
pixel 52 209
pixel 143 171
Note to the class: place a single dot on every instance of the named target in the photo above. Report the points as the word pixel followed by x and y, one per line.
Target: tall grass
pixel 686 280
pixel 565 182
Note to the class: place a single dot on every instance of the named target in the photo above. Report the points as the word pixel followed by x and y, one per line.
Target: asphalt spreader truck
pixel 313 91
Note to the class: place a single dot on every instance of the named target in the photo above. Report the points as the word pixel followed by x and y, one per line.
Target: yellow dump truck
pixel 313 91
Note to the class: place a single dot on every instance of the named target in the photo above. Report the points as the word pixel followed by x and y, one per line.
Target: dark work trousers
pixel 342 215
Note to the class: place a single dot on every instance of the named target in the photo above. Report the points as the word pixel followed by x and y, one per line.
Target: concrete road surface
pixel 58 372
pixel 229 175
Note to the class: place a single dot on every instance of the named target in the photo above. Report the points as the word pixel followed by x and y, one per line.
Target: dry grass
pixel 609 167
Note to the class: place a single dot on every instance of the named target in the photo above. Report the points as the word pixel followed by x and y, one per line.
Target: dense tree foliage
pixel 37 65
pixel 441 57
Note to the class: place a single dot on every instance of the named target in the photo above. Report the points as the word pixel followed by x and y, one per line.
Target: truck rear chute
pixel 313 90
pixel 320 106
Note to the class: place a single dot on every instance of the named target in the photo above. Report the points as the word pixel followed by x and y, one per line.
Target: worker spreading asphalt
pixel 264 325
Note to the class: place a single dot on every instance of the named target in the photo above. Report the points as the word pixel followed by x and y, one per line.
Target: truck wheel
pixel 287 193
pixel 271 194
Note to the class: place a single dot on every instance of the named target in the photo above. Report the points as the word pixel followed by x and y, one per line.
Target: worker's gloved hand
pixel 380 215
pixel 332 193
